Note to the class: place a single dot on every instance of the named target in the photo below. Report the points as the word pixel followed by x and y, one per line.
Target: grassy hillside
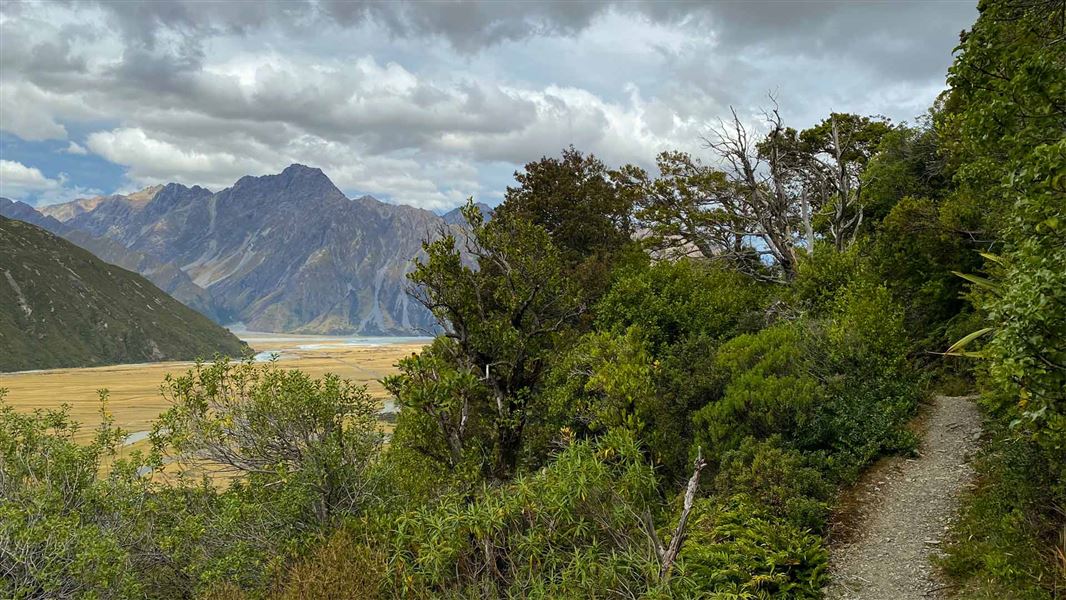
pixel 60 306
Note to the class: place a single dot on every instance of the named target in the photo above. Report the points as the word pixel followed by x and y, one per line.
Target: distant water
pixel 135 437
pixel 292 343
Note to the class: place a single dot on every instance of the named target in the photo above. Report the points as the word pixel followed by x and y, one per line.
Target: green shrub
pixel 823 273
pixel 736 549
pixel 767 389
pixel 610 381
pixel 569 530
pixel 674 300
pixel 786 482
pixel 63 526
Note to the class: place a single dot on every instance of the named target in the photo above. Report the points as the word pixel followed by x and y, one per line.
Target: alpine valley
pixel 284 253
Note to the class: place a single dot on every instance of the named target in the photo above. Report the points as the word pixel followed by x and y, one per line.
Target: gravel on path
pixel 904 508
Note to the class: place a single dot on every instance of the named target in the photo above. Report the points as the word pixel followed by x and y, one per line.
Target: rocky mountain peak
pixel 296 183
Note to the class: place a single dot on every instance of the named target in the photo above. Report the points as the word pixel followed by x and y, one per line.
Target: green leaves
pixel 63 526
pixel 956 348
pixel 507 314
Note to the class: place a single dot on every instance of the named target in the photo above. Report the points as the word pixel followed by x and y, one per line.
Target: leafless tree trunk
pixel 764 182
pixel 668 555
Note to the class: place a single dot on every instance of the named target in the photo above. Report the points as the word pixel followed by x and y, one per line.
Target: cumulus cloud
pixel 16 179
pixel 75 148
pixel 22 182
pixel 427 102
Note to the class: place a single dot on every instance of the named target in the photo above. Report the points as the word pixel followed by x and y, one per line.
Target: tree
pixel 1006 119
pixel 279 427
pixel 769 201
pixel 64 527
pixel 770 196
pixel 507 314
pixel 585 208
pixel 692 210
pixel 834 155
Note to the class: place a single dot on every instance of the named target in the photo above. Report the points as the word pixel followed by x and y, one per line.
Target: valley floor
pixel 904 510
pixel 134 389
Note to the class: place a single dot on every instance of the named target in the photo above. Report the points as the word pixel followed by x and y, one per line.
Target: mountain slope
pixel 60 306
pixel 164 275
pixel 285 252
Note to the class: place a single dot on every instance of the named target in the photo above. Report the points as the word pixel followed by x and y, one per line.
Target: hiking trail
pixel 902 510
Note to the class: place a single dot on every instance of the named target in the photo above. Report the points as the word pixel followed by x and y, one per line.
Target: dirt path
pixel 904 507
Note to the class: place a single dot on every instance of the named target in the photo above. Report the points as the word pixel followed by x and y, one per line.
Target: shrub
pixel 821 274
pixel 308 438
pixel 63 527
pixel 609 381
pixel 767 389
pixel 569 530
pixel 674 300
pixel 736 549
pixel 871 391
pixel 784 481
pixel 339 567
pixel 1007 543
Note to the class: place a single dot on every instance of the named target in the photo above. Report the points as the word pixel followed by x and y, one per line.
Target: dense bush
pixel 64 528
pixel 674 300
pixel 569 530
pixel 767 389
pixel 737 549
pixel 1006 544
pixel 789 484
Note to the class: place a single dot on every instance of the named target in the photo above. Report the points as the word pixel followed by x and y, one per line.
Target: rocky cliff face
pixel 286 252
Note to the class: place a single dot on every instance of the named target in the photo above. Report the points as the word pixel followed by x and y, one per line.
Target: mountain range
pixel 61 306
pixel 286 252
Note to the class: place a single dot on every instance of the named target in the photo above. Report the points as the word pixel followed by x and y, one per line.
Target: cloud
pixel 75 148
pixel 16 179
pixel 22 182
pixel 427 102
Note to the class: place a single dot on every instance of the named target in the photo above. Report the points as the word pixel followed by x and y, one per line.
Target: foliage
pixel 916 252
pixel 63 527
pixel 447 416
pixel 584 207
pixel 766 389
pixel 908 163
pixel 339 567
pixel 1004 125
pixel 671 301
pixel 609 381
pixel 568 530
pixel 1005 543
pixel 1028 346
pixel 774 191
pixel 789 484
pixel 833 156
pixel 542 436
pixel 821 275
pixel 275 425
pixel 736 549
pixel 871 388
pixel 839 383
pixel 506 314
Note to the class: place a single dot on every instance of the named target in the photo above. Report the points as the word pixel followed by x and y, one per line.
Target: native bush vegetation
pixel 646 384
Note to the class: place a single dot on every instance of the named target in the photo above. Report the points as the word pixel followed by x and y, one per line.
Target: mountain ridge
pixel 287 252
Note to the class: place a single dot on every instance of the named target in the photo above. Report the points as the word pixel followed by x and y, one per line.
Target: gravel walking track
pixel 902 509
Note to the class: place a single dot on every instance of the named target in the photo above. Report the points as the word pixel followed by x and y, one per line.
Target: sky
pixel 428 103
